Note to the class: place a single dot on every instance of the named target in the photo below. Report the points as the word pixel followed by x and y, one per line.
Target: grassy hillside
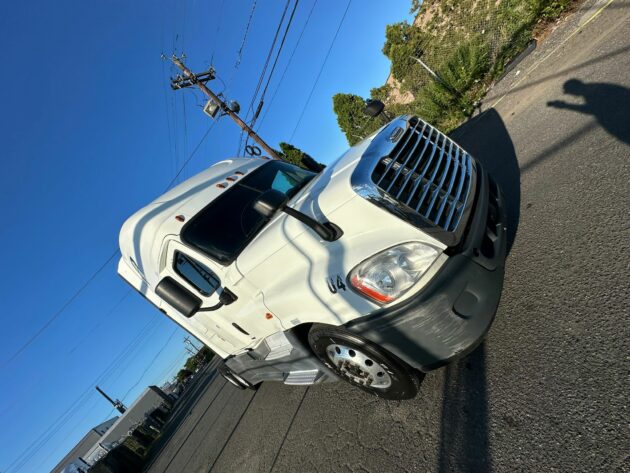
pixel 466 42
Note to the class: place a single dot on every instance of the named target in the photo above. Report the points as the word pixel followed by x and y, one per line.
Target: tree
pixel 205 354
pixel 292 154
pixel 403 41
pixel 351 117
pixel 415 7
pixel 191 364
pixel 183 375
pixel 381 93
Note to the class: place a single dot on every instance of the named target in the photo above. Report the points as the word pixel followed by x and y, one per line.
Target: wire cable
pixel 65 417
pixel 76 405
pixel 319 74
pixel 275 63
pixel 286 67
pixel 192 154
pixel 77 293
pixel 268 59
pixel 239 54
pixel 155 357
pixel 273 68
pixel 250 108
pixel 216 33
pixel 60 311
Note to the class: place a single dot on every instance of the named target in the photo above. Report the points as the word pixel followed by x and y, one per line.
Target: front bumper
pixel 452 314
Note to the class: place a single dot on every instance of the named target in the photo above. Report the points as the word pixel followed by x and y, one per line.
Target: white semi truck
pixel 384 265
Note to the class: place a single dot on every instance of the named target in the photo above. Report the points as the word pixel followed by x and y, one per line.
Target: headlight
pixel 387 275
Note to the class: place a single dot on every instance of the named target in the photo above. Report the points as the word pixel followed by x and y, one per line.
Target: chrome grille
pixel 429 173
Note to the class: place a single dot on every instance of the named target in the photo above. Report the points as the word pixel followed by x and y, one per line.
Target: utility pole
pixel 190 79
pixel 189 341
pixel 117 404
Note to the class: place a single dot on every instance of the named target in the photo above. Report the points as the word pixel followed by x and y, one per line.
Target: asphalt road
pixel 548 390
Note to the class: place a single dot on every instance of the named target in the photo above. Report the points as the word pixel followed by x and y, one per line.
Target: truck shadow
pixel 464 438
pixel 486 138
pixel 464 444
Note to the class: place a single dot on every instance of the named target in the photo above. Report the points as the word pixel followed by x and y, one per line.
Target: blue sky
pixel 91 133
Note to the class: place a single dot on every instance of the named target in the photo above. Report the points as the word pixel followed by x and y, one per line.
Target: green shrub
pixel 467 42
pixel 468 64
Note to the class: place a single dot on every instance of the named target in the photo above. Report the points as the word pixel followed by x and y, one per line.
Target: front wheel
pixel 363 364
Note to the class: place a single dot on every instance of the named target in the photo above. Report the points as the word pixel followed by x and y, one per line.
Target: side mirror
pixel 270 202
pixel 374 108
pixel 178 297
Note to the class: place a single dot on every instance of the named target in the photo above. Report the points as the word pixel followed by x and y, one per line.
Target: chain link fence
pixel 467 43
pixel 495 25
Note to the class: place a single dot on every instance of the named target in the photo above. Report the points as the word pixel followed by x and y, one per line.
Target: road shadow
pixel 487 139
pixel 608 103
pixel 464 445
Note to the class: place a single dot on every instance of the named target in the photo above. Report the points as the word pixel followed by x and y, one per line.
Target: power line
pixel 275 63
pixel 151 365
pixel 143 374
pixel 74 407
pixel 190 79
pixel 9 405
pixel 216 33
pixel 44 438
pixel 60 311
pixel 250 108
pixel 64 418
pixel 321 69
pixel 70 432
pixel 169 368
pixel 77 293
pixel 192 154
pixel 284 72
pixel 273 68
pixel 268 59
pixel 130 354
pixel 239 54
pixel 168 121
pixel 102 319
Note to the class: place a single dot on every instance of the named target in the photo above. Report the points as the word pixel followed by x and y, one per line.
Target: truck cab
pixel 384 265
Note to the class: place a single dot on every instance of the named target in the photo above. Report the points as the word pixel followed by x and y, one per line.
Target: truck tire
pixel 235 379
pixel 363 364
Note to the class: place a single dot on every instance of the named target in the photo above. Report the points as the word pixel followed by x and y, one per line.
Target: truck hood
pixel 300 274
pixel 328 191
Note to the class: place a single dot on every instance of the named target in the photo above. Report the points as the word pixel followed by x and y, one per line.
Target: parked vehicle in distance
pixel 384 265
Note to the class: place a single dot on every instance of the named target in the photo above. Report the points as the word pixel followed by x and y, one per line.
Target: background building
pixel 85 444
pixel 98 441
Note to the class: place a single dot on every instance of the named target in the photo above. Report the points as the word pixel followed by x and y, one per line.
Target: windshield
pixel 229 223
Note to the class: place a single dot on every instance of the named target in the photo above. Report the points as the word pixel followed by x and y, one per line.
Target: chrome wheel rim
pixel 358 367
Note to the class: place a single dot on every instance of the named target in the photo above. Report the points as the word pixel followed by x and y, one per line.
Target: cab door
pixel 234 327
